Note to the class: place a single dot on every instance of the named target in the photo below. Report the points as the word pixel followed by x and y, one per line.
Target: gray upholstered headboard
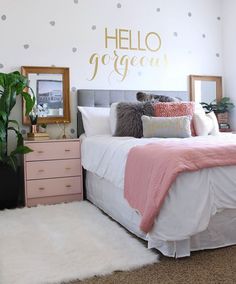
pixel 104 98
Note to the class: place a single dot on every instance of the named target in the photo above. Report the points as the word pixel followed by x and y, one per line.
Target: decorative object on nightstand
pixel 221 109
pixel 11 85
pixel 63 130
pixel 38 136
pixel 43 128
pixel 53 172
pixel 34 134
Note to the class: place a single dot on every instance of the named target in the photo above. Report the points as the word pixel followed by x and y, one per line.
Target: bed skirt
pixel 221 230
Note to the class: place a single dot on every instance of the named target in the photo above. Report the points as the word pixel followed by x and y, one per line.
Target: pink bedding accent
pixel 151 169
pixel 170 109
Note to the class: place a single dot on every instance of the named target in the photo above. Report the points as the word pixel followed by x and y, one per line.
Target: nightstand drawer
pixel 53 187
pixel 52 169
pixel 52 151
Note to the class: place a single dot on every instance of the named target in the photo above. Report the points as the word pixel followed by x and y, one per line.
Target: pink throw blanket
pixel 151 169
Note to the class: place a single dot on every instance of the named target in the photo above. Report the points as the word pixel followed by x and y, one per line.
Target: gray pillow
pixel 129 115
pixel 166 127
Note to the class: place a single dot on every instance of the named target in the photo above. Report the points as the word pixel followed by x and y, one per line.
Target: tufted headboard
pixel 104 98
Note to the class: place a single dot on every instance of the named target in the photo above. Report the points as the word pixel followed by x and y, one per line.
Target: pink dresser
pixel 53 172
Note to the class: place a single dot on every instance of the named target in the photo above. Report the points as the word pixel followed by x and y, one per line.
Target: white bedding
pixel 192 199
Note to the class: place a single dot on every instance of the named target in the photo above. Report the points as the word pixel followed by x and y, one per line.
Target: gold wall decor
pixel 141 49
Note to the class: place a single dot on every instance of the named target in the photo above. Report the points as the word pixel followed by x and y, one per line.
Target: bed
pixel 182 225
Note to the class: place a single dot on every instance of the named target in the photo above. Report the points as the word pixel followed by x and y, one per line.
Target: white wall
pixel 229 46
pixel 67 32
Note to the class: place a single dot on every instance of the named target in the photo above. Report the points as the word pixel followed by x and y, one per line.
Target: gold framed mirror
pixel 205 88
pixel 51 88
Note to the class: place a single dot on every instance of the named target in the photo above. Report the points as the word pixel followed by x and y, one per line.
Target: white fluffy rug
pixel 52 244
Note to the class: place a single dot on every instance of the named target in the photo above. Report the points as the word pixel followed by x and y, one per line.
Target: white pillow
pixel 205 124
pixel 166 127
pixel 198 108
pixel 113 117
pixel 95 120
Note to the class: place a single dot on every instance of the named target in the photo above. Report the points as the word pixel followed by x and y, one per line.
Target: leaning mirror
pixel 51 88
pixel 205 88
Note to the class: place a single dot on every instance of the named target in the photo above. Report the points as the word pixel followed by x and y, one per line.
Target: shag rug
pixel 64 242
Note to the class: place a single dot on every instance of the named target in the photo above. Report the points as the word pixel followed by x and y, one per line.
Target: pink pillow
pixel 171 109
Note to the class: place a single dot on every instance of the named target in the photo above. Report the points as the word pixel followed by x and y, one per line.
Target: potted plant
pixel 11 85
pixel 221 109
pixel 224 105
pixel 42 127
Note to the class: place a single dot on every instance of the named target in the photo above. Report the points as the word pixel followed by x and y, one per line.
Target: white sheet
pixel 192 199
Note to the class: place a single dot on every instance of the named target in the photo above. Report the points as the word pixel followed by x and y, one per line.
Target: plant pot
pixel 10 185
pixel 223 117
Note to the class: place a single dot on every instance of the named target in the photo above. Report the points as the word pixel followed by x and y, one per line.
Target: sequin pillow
pixel 173 109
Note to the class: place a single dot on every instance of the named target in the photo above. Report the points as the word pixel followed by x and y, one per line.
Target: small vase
pixel 33 128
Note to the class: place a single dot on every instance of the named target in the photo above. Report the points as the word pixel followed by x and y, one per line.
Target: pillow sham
pixel 126 118
pixel 166 127
pixel 113 118
pixel 95 120
pixel 205 124
pixel 174 109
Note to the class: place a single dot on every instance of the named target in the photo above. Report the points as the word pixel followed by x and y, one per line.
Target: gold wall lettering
pixel 124 39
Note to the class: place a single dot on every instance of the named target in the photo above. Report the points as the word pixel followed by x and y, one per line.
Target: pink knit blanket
pixel 151 169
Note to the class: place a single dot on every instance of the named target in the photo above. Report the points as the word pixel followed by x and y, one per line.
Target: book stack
pixel 38 136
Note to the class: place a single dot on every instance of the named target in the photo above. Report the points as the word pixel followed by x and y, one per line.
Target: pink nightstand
pixel 53 172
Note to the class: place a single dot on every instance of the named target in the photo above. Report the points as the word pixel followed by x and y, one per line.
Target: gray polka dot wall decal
pixel 118 5
pixel 158 9
pixel 72 131
pixel 52 23
pixel 4 17
pixel 94 27
pixel 1 65
pixel 217 55
pixel 76 1
pixel 73 89
pixel 189 14
pixel 218 18
pixel 74 49
pixel 26 46
pixel 175 34
pixel 203 35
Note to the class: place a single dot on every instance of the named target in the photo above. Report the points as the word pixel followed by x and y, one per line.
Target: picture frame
pixel 51 88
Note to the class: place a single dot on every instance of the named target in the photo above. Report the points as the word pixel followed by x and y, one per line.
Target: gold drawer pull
pixel 68 185
pixel 40 152
pixel 68 168
pixel 41 188
pixel 67 150
pixel 40 171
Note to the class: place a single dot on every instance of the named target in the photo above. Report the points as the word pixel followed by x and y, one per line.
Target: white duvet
pixel 193 198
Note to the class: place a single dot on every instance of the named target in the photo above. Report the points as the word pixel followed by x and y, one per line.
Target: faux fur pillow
pixel 129 121
pixel 143 97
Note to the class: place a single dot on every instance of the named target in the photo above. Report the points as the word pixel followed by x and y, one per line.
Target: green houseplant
pixel 221 109
pixel 11 85
pixel 222 106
